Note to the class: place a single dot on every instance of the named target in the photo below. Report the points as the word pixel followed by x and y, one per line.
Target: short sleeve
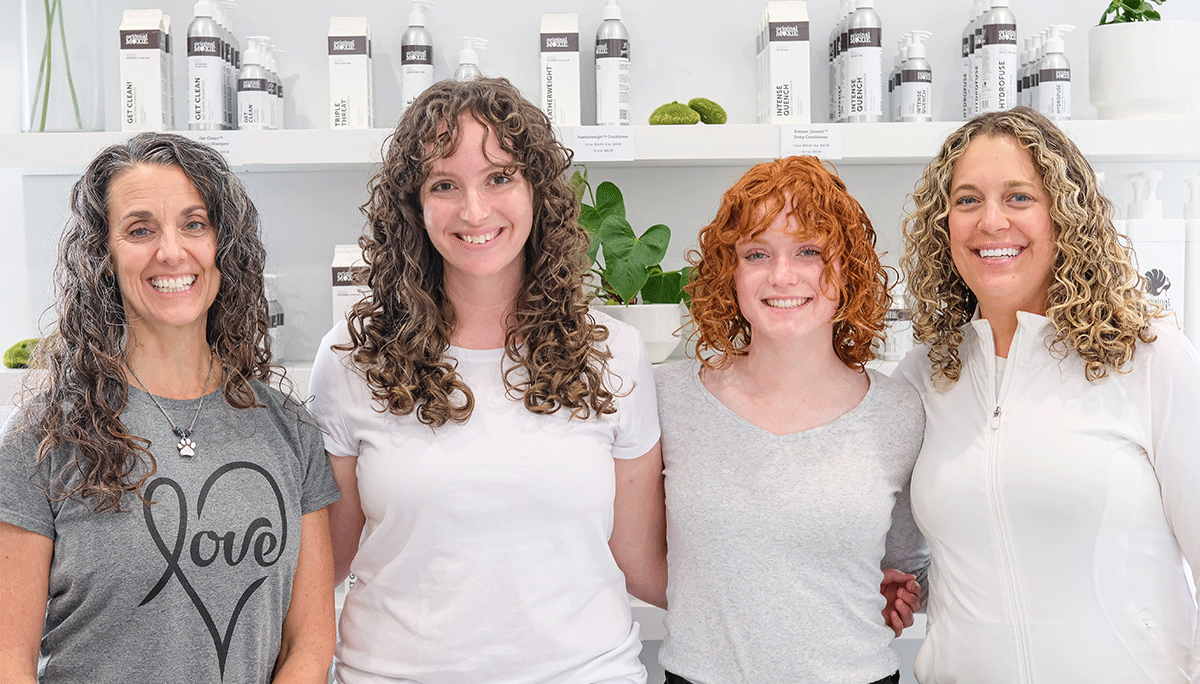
pixel 320 489
pixel 637 410
pixel 23 498
pixel 329 386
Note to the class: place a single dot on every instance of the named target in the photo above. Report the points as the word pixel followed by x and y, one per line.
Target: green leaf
pixel 625 278
pixel 590 219
pixel 652 245
pixel 663 288
pixel 617 236
pixel 609 201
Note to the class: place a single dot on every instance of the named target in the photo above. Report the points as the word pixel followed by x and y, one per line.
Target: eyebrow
pixel 144 214
pixel 1007 184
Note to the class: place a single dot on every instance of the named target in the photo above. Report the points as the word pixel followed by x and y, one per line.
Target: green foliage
pixel 674 113
pixel 624 263
pixel 710 112
pixel 1124 11
pixel 17 356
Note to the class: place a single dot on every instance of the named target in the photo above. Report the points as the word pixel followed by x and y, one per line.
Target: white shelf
pixel 727 145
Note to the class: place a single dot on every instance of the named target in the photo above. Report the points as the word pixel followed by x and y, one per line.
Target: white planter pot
pixel 658 323
pixel 1145 70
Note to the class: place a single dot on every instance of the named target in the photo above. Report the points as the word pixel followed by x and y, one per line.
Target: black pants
pixel 892 679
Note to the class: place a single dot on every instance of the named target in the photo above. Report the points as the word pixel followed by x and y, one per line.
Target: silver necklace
pixel 186 446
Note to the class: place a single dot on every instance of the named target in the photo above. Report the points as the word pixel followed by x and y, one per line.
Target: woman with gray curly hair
pixel 1058 481
pixel 495 441
pixel 162 509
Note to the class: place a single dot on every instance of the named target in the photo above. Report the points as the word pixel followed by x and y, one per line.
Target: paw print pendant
pixel 186 447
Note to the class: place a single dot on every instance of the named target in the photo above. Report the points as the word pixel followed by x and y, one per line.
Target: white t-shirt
pixel 485 556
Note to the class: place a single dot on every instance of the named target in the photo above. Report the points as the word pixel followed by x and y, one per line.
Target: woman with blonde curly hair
pixel 483 424
pixel 1058 481
pixel 162 507
pixel 787 462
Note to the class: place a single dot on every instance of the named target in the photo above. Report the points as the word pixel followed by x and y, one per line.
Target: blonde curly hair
pixel 1095 301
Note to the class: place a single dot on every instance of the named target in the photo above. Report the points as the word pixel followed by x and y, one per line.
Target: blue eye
pixel 810 253
pixel 755 256
pixel 966 199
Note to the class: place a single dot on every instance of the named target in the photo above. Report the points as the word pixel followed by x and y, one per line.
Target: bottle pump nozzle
pixel 1146 204
pixel 468 55
pixel 417 16
pixel 916 44
pixel 1054 37
pixel 611 10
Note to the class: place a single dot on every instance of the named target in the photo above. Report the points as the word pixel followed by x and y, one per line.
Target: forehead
pixel 144 183
pixel 787 221
pixel 998 154
pixel 471 137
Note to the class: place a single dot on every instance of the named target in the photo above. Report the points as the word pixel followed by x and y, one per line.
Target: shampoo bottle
pixel 968 64
pixel 916 89
pixel 1054 76
pixel 468 59
pixel 843 97
pixel 206 71
pixel 416 56
pixel 612 69
pixel 892 101
pixel 253 93
pixel 977 58
pixel 864 63
pixel 999 62
pixel 1159 247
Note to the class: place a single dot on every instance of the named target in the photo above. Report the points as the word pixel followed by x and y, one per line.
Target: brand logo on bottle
pixel 1000 34
pixel 1157 282
pixel 612 48
pixel 417 54
pixel 203 47
pixel 140 40
pixel 865 38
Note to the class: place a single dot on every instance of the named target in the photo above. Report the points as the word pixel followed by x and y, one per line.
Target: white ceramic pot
pixel 659 325
pixel 1145 70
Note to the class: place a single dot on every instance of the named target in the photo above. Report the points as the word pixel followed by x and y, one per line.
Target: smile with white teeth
pixel 787 303
pixel 1000 252
pixel 479 239
pixel 176 284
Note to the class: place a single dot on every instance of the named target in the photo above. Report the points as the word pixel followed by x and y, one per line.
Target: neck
pixel 481 311
pixel 174 368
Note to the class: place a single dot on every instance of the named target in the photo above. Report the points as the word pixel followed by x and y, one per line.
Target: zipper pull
pixel 996 418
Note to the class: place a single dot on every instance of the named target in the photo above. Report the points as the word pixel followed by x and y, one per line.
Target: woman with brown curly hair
pixel 161 507
pixel 496 442
pixel 787 462
pixel 1058 480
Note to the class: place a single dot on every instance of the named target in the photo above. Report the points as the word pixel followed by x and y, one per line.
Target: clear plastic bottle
pixel 612 69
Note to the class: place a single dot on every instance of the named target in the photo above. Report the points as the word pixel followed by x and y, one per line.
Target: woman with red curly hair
pixel 787 462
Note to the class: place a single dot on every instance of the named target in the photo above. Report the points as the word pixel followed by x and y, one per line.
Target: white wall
pixel 680 50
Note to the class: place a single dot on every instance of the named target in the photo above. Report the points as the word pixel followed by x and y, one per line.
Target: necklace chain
pixel 186 446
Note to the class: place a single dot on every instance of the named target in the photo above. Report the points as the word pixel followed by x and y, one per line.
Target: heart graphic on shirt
pixel 268 548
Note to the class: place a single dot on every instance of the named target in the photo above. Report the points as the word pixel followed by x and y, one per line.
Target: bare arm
pixel 639 537
pixel 306 647
pixel 24 588
pixel 346 517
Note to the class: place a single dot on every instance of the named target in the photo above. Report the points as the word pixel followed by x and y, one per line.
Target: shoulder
pixel 915 369
pixel 284 410
pixel 1171 356
pixel 675 373
pixel 622 337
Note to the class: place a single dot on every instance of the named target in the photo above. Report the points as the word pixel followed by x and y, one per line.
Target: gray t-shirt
pixel 775 542
pixel 193 588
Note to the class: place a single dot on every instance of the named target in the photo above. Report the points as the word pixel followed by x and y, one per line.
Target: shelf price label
pixel 603 143
pixel 225 142
pixel 823 142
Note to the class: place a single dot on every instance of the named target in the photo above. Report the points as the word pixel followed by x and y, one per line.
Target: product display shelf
pixel 649 146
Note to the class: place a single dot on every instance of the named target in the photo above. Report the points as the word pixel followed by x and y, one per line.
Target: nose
pixel 170 247
pixel 784 272
pixel 993 219
pixel 475 207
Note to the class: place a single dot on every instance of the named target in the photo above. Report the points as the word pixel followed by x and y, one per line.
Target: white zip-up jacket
pixel 1058 513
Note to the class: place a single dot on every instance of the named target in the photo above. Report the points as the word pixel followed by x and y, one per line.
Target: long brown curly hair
pixel 822 207
pixel 83 392
pixel 1095 301
pixel 400 332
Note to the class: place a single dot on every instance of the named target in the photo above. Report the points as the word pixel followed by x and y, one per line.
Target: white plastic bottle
pixel 864 63
pixel 1023 74
pixel 1054 76
pixel 416 56
pixel 1159 246
pixel 835 35
pixel 999 62
pixel 612 69
pixel 892 101
pixel 232 58
pixel 977 57
pixel 468 59
pixel 843 106
pixel 916 78
pixel 968 48
pixel 253 90
pixel 1032 98
pixel 206 71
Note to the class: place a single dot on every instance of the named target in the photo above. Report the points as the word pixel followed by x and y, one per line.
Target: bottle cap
pixel 204 8
pixel 916 45
pixel 1054 39
pixel 864 4
pixel 468 55
pixel 611 10
pixel 417 16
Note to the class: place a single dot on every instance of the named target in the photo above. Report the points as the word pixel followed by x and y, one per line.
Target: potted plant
pixel 626 277
pixel 1140 67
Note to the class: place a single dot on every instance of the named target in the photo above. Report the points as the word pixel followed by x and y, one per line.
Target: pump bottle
pixel 1023 74
pixel 1054 76
pixel 253 95
pixel 999 60
pixel 864 63
pixel 843 42
pixel 977 57
pixel 416 56
pixel 206 71
pixel 968 64
pixel 468 59
pixel 916 81
pixel 1160 247
pixel 612 69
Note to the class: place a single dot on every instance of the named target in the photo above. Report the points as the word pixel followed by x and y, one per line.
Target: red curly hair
pixel 821 208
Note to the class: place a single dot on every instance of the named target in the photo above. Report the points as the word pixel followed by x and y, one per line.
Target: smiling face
pixel 478 217
pixel 779 285
pixel 163 249
pixel 1001 233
